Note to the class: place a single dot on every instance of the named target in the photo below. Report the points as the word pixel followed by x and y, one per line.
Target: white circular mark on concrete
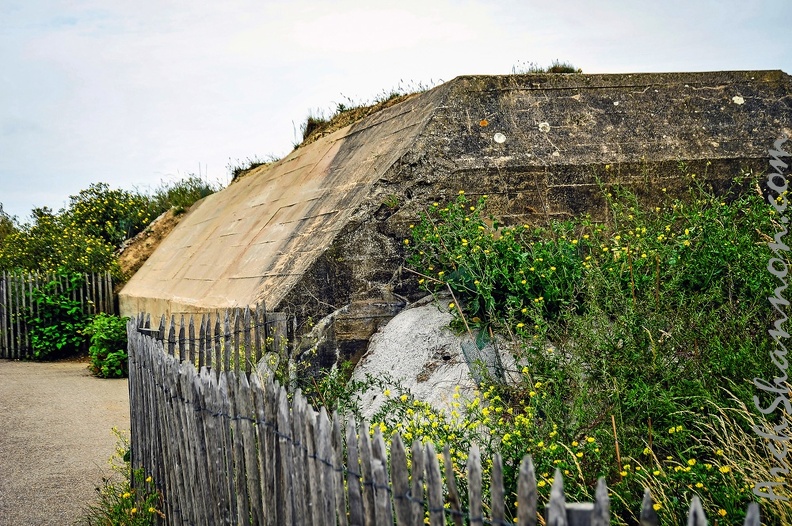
pixel 738 100
pixel 615 102
pixel 499 138
pixel 544 127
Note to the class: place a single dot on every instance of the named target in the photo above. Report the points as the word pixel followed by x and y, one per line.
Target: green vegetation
pixel 179 195
pixel 350 111
pixel 7 224
pixel 60 326
pixel 84 236
pixel 108 349
pixel 557 66
pixel 57 321
pixel 131 501
pixel 640 333
pixel 240 167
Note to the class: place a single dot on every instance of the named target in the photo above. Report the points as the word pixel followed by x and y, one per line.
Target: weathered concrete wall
pixel 253 241
pixel 322 228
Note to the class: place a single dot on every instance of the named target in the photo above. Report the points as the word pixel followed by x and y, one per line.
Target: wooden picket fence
pixel 231 339
pixel 226 446
pixel 95 295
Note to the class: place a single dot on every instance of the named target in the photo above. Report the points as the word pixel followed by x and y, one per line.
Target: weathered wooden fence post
pixel 227 447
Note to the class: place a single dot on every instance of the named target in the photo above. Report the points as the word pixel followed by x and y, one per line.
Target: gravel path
pixel 55 439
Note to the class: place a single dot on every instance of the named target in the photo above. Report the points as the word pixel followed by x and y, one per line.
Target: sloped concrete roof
pixel 323 226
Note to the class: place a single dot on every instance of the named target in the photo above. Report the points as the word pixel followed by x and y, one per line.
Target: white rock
pixel 417 349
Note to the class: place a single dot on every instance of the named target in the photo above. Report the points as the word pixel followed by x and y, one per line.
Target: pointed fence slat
pixel 474 486
pixel 314 486
pixel 246 423
pixel 284 485
pixel 248 341
pixel 236 348
pixel 301 480
pixel 367 482
pixel 379 465
pixel 527 494
pixel 401 481
pixel 324 451
pixel 338 472
pixel 258 327
pixel 696 515
pixel 648 514
pixel 266 462
pixel 434 485
pixel 601 514
pixel 228 448
pixel 455 504
pixel 556 510
pixel 752 516
pixel 191 343
pixel 496 491
pixel 356 515
pixel 202 344
pixel 182 342
pixel 418 480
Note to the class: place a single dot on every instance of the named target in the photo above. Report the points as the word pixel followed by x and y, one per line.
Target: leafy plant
pixel 131 501
pixel 640 319
pixel 336 390
pixel 83 237
pixel 56 321
pixel 108 350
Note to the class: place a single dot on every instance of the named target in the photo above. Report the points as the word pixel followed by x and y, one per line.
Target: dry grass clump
pixel 749 455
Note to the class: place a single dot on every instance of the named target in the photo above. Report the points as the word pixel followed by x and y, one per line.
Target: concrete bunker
pixel 321 231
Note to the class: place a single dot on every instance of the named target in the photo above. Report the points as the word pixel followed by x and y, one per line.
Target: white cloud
pixel 129 92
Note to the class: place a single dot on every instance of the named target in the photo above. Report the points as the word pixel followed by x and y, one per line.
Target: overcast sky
pixel 133 93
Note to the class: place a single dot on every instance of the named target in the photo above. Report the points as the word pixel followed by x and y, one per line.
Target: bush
pixel 56 321
pixel 83 237
pixel 642 317
pixel 108 350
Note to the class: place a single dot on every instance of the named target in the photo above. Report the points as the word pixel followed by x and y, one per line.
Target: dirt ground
pixel 55 439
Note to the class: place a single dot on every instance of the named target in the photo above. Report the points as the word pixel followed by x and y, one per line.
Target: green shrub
pixel 84 236
pixel 108 350
pixel 110 215
pixel 641 318
pixel 56 321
